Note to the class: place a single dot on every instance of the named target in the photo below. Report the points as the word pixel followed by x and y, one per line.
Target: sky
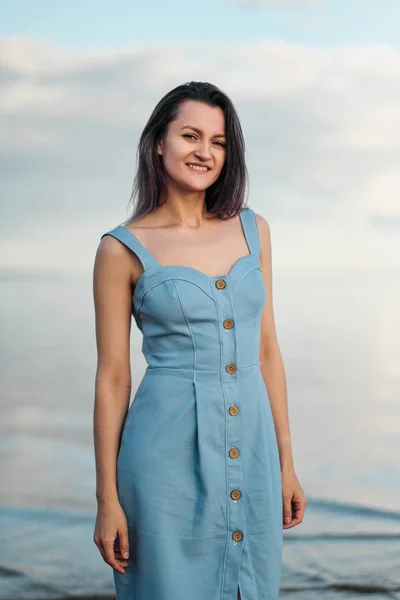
pixel 316 85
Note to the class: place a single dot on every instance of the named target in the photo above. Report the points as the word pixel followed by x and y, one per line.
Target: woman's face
pixel 196 137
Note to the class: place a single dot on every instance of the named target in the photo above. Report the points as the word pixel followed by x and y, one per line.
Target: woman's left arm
pixel 273 372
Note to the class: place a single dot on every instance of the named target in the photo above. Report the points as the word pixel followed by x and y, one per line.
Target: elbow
pixel 269 350
pixel 115 376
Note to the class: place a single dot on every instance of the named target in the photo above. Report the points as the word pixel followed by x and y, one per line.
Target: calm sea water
pixel 339 334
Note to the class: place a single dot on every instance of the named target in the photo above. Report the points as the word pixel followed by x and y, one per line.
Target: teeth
pixel 197 168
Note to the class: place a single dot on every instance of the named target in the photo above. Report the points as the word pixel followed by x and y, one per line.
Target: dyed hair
pixel 225 197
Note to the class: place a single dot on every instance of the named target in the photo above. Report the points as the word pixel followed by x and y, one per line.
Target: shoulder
pixel 264 234
pixel 112 254
pixel 263 227
pixel 110 248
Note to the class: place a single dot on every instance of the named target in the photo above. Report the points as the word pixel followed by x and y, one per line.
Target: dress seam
pixel 256 266
pixel 205 370
pixel 172 278
pixel 190 330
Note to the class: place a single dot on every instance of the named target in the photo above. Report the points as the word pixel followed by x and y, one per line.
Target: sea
pixel 339 334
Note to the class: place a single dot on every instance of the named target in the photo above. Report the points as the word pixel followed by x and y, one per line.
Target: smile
pixel 197 168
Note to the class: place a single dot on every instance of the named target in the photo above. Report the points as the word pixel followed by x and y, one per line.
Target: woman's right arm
pixel 112 292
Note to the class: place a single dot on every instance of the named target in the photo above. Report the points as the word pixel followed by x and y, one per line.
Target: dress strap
pixel 124 235
pixel 250 229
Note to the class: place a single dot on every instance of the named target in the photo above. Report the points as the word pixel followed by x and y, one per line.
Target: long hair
pixel 226 196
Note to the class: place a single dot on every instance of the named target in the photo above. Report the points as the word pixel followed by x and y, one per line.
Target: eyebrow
pixel 199 130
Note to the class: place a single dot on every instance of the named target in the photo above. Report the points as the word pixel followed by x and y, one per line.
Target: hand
pixel 111 524
pixel 293 498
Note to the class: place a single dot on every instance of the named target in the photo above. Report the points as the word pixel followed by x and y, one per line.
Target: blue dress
pixel 198 471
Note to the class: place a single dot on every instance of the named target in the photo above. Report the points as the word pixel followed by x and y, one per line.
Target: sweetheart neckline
pixel 159 266
pixel 184 267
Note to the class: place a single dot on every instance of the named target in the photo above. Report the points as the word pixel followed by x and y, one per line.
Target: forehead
pixel 207 118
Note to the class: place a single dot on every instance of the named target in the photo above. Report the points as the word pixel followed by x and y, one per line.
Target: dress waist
pixel 223 369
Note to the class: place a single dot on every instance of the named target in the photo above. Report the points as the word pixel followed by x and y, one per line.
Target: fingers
pixel 111 536
pixel 287 510
pixel 110 557
pixel 111 554
pixel 295 511
pixel 123 542
pixel 121 561
pixel 293 523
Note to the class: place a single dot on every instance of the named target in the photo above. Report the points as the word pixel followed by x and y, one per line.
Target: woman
pixel 195 481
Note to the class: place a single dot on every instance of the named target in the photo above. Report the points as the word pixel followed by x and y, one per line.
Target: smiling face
pixel 193 148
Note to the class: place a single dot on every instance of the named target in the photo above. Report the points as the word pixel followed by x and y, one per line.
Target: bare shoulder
pixel 264 233
pixel 263 229
pixel 115 262
pixel 111 250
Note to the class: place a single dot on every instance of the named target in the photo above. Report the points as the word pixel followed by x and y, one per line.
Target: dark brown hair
pixel 225 197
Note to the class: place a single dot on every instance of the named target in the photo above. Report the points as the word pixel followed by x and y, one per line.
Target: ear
pixel 159 147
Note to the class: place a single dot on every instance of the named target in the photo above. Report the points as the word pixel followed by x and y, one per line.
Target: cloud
pixel 321 126
pixel 383 201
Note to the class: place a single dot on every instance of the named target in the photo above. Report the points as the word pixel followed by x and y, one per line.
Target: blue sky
pixel 315 83
pixel 105 23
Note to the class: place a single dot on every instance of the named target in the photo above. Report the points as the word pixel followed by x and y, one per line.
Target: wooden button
pixel 237 536
pixel 235 494
pixel 230 368
pixel 233 452
pixel 233 410
pixel 220 284
pixel 228 323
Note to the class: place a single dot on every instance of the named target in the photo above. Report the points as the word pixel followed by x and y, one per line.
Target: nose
pixel 203 150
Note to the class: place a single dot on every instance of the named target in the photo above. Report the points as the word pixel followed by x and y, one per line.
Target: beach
pixel 340 344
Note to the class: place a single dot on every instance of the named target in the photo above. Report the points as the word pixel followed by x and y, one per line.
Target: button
pixel 233 410
pixel 235 494
pixel 230 368
pixel 237 536
pixel 228 323
pixel 220 284
pixel 233 452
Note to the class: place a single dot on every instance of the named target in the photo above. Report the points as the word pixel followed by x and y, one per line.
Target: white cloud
pixel 321 125
pixel 382 195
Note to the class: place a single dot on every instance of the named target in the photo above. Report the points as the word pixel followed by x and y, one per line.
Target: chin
pixel 190 185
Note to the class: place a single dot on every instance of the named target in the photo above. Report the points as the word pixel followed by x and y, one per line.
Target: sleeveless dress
pixel 198 471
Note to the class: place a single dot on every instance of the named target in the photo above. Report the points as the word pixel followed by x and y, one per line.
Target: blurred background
pixel 316 85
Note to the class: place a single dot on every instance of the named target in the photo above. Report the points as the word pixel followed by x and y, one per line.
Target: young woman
pixel 195 481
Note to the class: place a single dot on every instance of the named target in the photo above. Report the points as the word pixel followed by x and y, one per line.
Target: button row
pixel 228 324
pixel 231 368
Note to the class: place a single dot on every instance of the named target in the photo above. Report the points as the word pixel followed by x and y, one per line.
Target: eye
pixel 190 135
